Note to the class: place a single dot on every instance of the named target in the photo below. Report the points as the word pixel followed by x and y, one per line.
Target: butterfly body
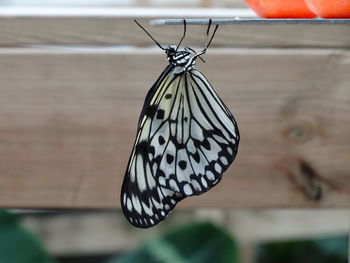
pixel 186 139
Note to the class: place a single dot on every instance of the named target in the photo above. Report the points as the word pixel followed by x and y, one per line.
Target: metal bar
pixel 255 21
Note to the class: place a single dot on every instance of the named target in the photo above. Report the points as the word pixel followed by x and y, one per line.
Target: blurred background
pixel 186 236
pixel 73 76
pixel 128 3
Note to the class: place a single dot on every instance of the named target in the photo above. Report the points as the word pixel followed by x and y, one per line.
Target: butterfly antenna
pixel 212 36
pixel 209 25
pixel 183 35
pixel 159 45
pixel 207 44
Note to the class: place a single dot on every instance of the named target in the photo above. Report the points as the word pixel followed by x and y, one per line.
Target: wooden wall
pixel 72 84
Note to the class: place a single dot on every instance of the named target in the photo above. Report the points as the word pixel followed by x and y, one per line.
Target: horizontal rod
pixel 255 21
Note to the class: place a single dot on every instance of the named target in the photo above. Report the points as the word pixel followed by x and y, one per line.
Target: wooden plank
pixel 61 236
pixel 68 120
pixel 135 3
pixel 110 231
pixel 227 3
pixel 192 3
pixel 252 227
pixel 85 26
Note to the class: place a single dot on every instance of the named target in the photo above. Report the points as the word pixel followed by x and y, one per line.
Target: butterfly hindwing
pixel 201 138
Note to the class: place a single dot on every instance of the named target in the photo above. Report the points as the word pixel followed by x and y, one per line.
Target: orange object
pixel 330 8
pixel 281 8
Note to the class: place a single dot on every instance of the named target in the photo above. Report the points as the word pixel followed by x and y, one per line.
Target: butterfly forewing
pixel 144 201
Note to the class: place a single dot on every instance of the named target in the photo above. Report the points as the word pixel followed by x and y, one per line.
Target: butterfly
pixel 186 139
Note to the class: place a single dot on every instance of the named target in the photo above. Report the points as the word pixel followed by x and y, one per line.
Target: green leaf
pixel 324 250
pixel 201 242
pixel 17 245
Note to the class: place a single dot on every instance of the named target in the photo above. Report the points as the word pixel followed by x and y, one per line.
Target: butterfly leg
pixel 191 49
pixel 183 35
pixel 207 44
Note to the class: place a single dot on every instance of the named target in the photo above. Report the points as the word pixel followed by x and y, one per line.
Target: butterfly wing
pixel 186 139
pixel 196 139
pixel 144 201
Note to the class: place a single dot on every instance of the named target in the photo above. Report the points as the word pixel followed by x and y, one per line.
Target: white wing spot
pixel 188 190
pixel 218 168
pixel 128 204
pixel 220 139
pixel 142 184
pixel 132 173
pixel 156 204
pixel 136 203
pixel 229 150
pixel 190 146
pixel 204 182
pixel 196 131
pixel 196 185
pixel 161 180
pixel 173 185
pixel 210 175
pixel 150 179
pixel 223 160
pixel 147 209
pixel 155 166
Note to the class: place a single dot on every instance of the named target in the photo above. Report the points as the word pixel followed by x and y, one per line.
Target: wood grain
pixel 68 120
pixel 84 26
pixel 61 236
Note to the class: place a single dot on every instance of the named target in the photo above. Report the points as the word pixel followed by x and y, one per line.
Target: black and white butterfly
pixel 186 139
